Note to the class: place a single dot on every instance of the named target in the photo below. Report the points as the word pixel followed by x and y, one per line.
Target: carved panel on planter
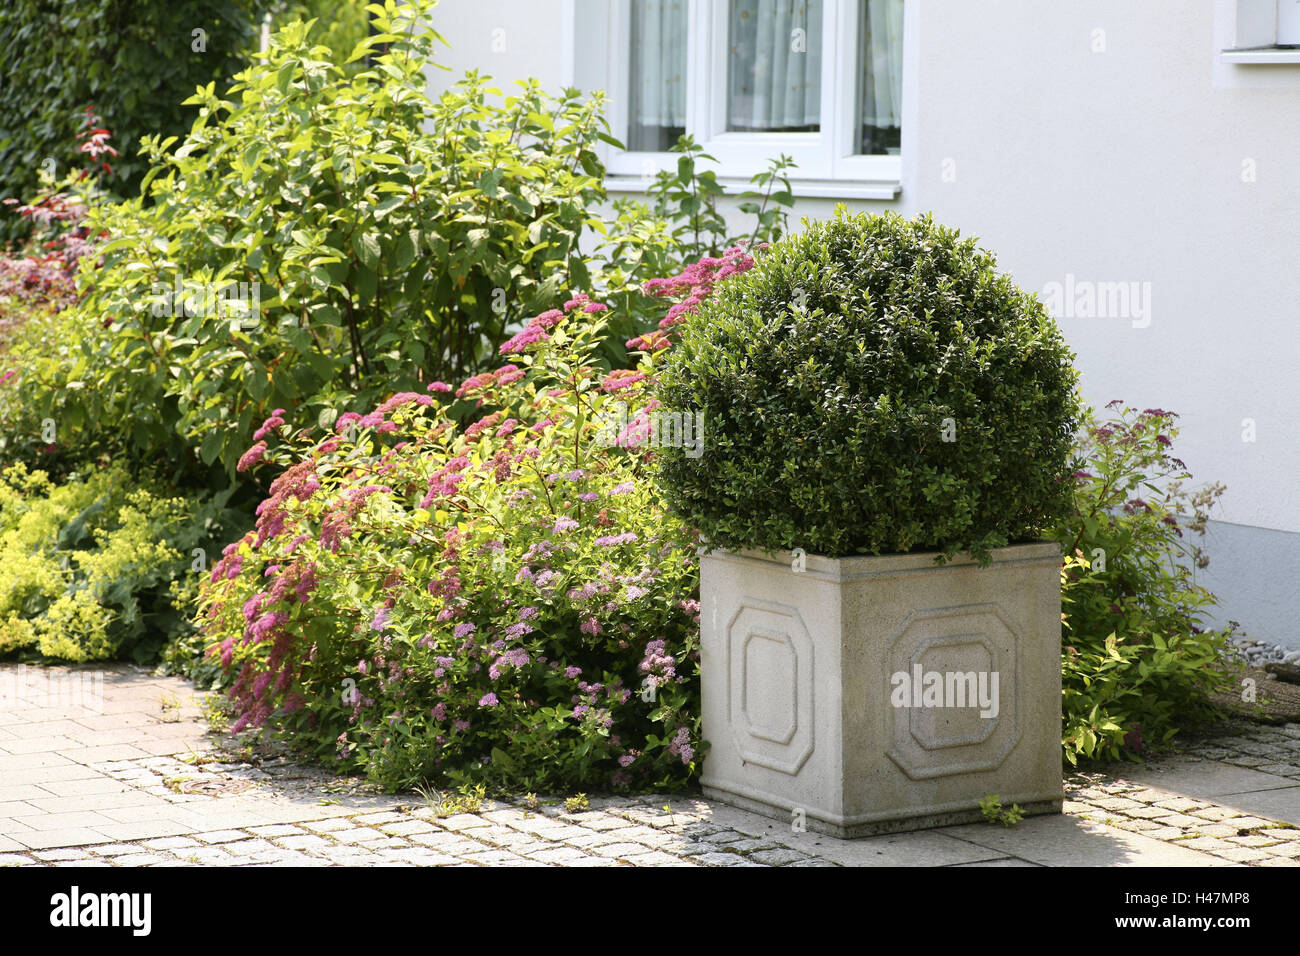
pixel 770 685
pixel 958 712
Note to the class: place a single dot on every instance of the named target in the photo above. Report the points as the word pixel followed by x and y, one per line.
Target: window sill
pixel 1256 56
pixel 802 188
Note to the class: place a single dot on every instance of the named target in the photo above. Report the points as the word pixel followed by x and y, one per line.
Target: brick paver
pixel 136 781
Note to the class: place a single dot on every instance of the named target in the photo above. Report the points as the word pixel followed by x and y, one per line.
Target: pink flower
pixel 268 426
pixel 611 540
pixel 488 700
pixel 251 457
pixel 439 387
pixel 529 335
pixel 622 378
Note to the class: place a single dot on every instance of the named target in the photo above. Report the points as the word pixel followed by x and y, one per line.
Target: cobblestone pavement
pixel 136 781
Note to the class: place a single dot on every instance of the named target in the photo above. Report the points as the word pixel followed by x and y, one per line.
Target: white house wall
pixel 1105 142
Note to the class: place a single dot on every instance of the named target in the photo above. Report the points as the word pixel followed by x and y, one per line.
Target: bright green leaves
pixel 1139 659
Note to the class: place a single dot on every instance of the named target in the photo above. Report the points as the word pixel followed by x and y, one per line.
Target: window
pixel 1267 31
pixel 819 80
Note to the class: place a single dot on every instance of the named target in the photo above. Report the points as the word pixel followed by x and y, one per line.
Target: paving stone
pixel 777 857
pixel 1178 820
pixel 1207 843
pixel 1250 823
pixel 1252 840
pixel 720 859
pixel 488 857
pixel 374 819
pixel 617 850
pixel 113 767
pixel 1281 833
pixel 1213 813
pixel 60 854
pixel 305 842
pixel 420 857
pixel 249 848
pixel 114 849
pixel 813 861
pixel 1243 855
pixel 602 821
pixel 275 830
pixel 328 826
pixel 463 821
pixel 590 840
pixel 559 854
pixel 170 843
pixel 407 827
pixel 1122 804
pixel 50 839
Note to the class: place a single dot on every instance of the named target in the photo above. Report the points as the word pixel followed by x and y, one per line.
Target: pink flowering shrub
pixel 501 601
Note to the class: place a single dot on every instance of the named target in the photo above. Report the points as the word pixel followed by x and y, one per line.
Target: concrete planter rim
pixel 856 566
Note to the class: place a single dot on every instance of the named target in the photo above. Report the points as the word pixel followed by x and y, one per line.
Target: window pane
pixel 657 91
pixel 775 65
pixel 880 94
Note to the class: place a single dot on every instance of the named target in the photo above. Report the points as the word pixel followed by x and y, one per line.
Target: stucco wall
pixel 1131 155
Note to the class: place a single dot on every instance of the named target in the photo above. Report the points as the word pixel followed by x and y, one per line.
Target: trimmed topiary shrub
pixel 872 385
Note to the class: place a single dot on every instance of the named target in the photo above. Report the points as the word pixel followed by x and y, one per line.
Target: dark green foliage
pixel 873 385
pixel 134 61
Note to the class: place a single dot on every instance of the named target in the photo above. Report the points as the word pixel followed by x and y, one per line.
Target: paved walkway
pixel 131 778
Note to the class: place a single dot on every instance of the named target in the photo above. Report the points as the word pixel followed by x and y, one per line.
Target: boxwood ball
pixel 873 385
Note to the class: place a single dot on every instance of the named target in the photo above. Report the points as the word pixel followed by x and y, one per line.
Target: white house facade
pixel 1136 164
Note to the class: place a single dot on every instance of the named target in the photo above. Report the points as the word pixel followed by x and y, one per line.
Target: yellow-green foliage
pixel 86 567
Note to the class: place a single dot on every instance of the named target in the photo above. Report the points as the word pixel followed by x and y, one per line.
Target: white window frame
pixel 827 165
pixel 1260 25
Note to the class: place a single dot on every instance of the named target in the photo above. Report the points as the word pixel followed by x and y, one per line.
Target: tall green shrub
pixel 386 241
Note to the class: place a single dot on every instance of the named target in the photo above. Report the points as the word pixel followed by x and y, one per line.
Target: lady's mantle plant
pixel 872 385
pixel 504 603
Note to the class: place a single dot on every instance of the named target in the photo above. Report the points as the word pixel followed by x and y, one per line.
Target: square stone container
pixel 808 720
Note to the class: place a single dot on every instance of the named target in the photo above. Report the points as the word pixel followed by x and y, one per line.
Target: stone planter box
pixel 809 678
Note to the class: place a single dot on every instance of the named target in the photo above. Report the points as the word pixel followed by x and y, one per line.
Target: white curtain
pixel 657 91
pixel 881 94
pixel 775 64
